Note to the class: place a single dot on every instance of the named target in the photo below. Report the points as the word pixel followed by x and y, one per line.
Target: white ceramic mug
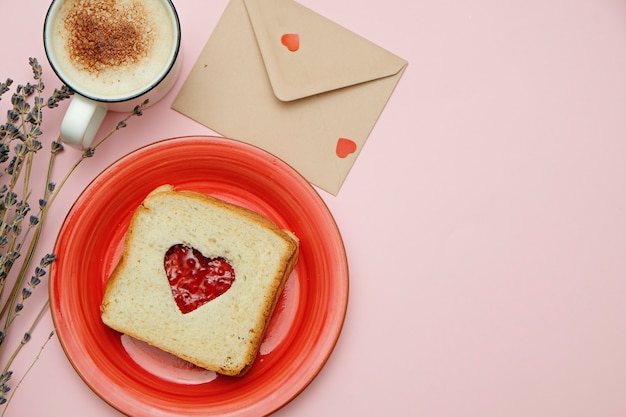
pixel 113 54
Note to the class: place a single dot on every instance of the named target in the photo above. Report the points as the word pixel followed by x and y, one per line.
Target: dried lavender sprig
pixel 5 387
pixel 25 339
pixel 29 119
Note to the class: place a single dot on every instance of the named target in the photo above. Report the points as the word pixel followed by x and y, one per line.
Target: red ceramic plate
pixel 139 381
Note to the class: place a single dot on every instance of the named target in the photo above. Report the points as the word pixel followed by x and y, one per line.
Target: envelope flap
pixel 305 53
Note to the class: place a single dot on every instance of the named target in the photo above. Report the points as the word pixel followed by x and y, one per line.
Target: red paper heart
pixel 291 41
pixel 194 279
pixel 345 147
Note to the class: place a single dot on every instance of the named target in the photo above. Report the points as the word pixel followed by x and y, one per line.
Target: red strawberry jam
pixel 194 279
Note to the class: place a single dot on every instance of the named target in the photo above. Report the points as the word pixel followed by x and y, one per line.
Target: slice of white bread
pixel 225 334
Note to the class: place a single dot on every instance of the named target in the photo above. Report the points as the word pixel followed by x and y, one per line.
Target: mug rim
pixel 152 86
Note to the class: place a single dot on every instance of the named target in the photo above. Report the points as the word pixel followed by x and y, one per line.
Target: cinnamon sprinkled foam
pixel 113 48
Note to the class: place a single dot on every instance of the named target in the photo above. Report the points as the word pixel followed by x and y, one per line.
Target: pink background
pixel 484 221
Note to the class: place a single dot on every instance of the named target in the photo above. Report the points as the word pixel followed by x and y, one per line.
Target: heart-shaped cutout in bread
pixel 195 279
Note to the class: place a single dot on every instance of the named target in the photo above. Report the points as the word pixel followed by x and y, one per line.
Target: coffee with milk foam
pixel 113 49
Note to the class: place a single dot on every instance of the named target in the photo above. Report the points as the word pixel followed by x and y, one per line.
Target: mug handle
pixel 82 121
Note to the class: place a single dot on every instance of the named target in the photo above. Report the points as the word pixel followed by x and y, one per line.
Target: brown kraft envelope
pixel 277 75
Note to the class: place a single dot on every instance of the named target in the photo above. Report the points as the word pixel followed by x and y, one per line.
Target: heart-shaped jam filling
pixel 195 279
